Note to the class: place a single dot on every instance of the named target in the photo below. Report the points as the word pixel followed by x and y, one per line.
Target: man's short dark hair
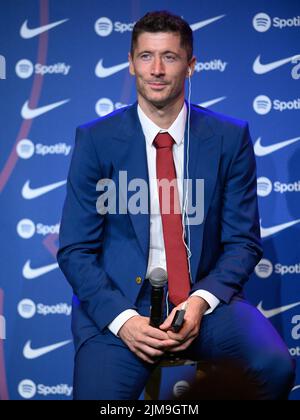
pixel 164 21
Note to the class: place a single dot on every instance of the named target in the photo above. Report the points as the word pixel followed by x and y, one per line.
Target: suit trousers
pixel 105 368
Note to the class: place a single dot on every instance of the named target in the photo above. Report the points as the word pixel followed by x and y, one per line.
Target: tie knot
pixel 163 140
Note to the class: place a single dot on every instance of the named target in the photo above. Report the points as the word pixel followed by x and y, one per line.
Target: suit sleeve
pixel 81 237
pixel 240 230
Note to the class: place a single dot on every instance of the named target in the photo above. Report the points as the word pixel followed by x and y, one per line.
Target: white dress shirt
pixel 157 255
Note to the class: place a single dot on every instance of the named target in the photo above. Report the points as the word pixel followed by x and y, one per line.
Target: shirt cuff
pixel 210 299
pixel 120 320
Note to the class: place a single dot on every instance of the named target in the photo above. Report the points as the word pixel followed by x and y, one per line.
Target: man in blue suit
pixel 108 257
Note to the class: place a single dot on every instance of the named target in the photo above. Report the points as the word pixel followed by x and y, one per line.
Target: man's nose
pixel 158 67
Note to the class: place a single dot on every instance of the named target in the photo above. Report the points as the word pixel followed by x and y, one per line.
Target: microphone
pixel 158 278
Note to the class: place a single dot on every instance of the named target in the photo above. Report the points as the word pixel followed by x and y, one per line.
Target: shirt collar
pixel 150 129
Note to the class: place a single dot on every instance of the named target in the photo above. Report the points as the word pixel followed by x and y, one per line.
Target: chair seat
pixel 170 360
pixel 173 359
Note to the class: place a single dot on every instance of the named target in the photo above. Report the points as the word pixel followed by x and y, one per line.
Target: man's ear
pixel 131 67
pixel 191 67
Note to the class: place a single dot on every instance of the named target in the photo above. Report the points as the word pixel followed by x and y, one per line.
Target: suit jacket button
pixel 138 280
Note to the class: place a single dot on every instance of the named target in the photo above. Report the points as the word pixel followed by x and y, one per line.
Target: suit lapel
pixel 130 156
pixel 204 156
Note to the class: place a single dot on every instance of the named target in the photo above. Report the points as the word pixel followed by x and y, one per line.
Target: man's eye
pixel 170 57
pixel 145 56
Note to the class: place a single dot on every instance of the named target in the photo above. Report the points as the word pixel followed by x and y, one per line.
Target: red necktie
pixel 177 263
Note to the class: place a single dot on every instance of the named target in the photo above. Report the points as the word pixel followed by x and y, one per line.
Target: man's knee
pixel 275 374
pixel 100 369
pixel 283 374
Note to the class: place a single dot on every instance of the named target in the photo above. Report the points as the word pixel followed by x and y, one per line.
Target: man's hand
pixel 196 308
pixel 145 341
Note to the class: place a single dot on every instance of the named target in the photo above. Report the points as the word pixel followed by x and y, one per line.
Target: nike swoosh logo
pixel 32 273
pixel 261 150
pixel 212 102
pixel 265 232
pixel 295 388
pixel 199 25
pixel 29 193
pixel 29 113
pixel 101 71
pixel 268 313
pixel 30 353
pixel 260 68
pixel 27 33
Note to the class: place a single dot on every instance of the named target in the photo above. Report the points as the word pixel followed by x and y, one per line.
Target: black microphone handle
pixel 157 302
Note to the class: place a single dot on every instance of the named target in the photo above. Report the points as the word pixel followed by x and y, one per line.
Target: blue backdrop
pixel 63 63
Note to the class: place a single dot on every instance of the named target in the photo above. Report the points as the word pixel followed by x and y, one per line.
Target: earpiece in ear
pixel 190 71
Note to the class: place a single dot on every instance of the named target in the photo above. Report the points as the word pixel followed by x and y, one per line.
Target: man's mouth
pixel 157 85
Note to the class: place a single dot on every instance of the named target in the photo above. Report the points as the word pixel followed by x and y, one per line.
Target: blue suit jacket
pixel 102 256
